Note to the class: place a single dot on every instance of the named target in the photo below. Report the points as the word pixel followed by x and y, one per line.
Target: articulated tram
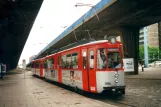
pixel 94 67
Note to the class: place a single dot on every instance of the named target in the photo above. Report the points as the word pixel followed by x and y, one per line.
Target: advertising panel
pixel 128 64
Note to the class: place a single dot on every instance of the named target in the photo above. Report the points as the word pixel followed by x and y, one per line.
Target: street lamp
pixel 82 4
pixel 89 5
pixel 63 26
pixel 39 43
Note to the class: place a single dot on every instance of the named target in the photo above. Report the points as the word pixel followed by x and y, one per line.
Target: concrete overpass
pixel 16 20
pixel 115 17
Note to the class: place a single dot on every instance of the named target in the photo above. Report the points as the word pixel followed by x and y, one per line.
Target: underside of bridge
pixel 116 18
pixel 16 20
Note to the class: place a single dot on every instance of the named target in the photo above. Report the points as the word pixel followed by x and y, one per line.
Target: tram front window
pixel 101 58
pixel 114 60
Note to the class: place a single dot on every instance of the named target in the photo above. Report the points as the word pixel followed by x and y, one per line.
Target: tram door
pixel 89 69
pixel 85 72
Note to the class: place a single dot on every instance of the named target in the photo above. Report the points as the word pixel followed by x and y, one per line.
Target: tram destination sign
pixel 113 49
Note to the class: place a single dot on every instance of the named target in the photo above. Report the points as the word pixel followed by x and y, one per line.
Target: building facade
pixel 152 35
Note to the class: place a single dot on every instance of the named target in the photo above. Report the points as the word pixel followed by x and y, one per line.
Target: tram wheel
pixel 80 91
pixel 75 89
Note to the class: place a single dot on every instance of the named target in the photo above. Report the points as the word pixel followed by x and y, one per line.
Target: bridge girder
pixel 16 20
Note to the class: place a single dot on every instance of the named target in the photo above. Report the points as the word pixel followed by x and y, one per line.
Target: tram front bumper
pixel 115 89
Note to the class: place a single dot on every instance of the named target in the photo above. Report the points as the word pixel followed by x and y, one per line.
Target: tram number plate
pixel 93 88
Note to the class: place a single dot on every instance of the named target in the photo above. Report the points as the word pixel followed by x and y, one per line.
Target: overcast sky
pixel 52 17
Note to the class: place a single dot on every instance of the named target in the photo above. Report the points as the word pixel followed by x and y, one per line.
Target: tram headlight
pixel 116 75
pixel 116 81
pixel 112 39
pixel 116 78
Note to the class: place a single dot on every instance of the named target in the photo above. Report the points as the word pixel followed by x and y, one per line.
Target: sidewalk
pixel 149 73
pixel 17 91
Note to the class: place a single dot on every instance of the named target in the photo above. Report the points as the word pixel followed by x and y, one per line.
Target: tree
pixel 141 53
pixel 153 52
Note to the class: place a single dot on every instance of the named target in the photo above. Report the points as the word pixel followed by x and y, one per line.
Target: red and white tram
pixel 93 67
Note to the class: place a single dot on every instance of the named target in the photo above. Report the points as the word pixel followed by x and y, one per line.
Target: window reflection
pixel 91 60
pixel 101 59
pixel 114 60
pixel 49 63
pixel 70 61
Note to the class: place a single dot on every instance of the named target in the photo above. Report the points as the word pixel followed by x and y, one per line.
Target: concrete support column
pixel 130 41
pixel 159 34
pixel 146 59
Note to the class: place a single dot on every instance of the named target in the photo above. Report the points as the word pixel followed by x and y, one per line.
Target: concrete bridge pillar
pixel 130 41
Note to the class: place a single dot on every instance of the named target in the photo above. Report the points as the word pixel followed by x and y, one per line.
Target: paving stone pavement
pixel 17 91
pixel 151 73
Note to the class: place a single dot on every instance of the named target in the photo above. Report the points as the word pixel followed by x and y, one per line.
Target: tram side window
pixel 91 60
pixel 50 63
pixel 64 61
pixel 69 61
pixel 45 64
pixel 101 59
pixel 32 65
pixel 37 65
pixel 84 60
pixel 75 60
